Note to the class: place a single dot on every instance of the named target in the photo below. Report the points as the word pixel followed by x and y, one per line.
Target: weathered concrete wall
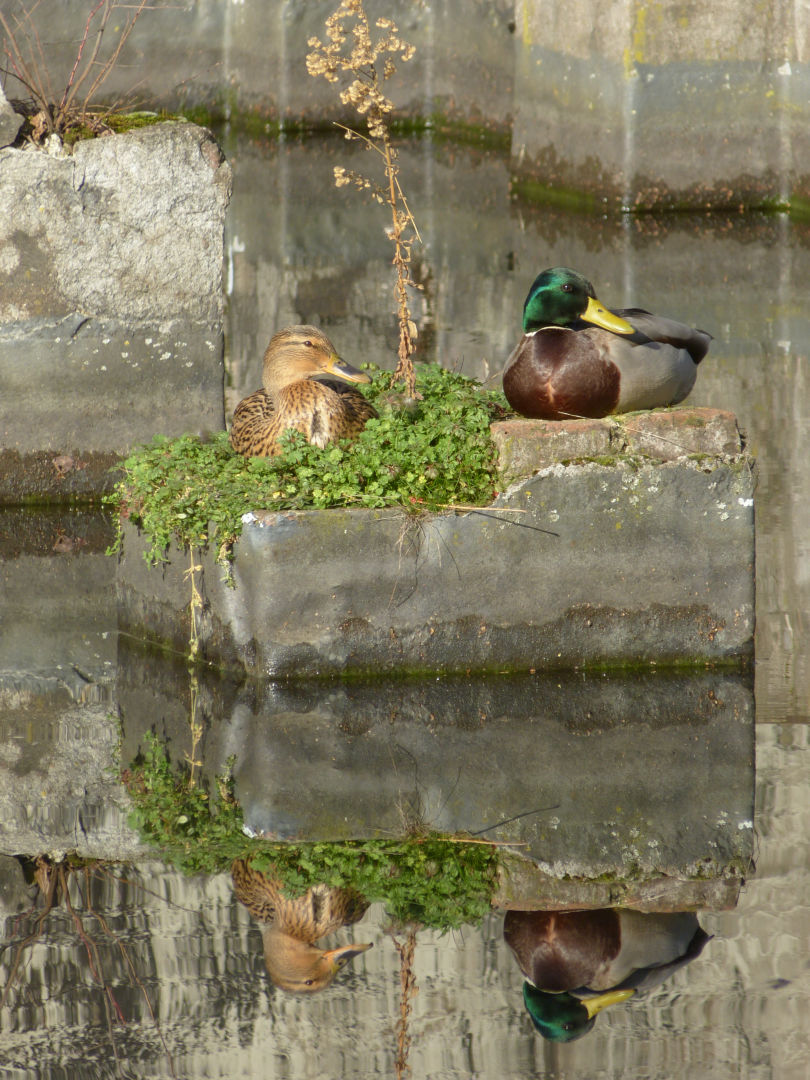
pixel 641 104
pixel 628 560
pixel 251 55
pixel 112 302
pixel 634 103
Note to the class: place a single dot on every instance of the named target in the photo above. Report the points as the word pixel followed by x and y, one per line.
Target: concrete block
pixel 80 393
pixel 669 434
pixel 112 303
pixel 635 561
pixel 126 227
pixel 526 446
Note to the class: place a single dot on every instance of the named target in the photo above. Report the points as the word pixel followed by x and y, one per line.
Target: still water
pixel 300 251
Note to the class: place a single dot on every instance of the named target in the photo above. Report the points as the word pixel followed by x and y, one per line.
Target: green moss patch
pixel 424 455
pixel 433 880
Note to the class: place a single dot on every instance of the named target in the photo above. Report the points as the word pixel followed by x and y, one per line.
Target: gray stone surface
pixel 15 894
pixel 57 601
pixel 629 777
pixel 126 227
pixel 79 392
pixel 59 728
pixel 111 303
pixel 624 563
pixel 10 121
pixel 59 788
pixel 632 789
pixel 526 446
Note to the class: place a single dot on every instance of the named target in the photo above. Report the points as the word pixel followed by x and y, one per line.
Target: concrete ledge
pixel 86 391
pixel 526 446
pixel 621 561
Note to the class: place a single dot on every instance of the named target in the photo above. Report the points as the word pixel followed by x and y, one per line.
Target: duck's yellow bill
pixel 604 1001
pixel 598 314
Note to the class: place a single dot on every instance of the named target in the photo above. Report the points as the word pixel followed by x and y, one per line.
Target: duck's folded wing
pixel 669 332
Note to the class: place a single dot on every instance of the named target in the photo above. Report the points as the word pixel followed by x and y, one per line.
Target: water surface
pixel 299 250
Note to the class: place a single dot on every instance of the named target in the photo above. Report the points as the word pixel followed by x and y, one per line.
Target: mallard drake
pixel 577 963
pixel 323 410
pixel 576 358
pixel 291 928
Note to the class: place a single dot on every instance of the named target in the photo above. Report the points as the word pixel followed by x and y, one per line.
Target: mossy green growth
pixel 102 123
pixel 423 455
pixel 562 198
pixel 436 881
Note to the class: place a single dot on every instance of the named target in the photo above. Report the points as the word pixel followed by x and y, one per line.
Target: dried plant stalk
pixel 350 49
pixel 407 992
pixel 25 60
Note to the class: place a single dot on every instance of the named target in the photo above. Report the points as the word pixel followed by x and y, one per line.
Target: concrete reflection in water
pixel 198 953
pixel 646 782
pixel 164 971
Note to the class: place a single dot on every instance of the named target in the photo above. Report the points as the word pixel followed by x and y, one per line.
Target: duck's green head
pixel 561 297
pixel 563 1017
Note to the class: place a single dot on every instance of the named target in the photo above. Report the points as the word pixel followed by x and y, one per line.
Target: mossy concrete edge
pixel 624 561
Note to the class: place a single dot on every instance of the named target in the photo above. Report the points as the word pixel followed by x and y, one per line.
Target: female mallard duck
pixel 577 963
pixel 291 928
pixel 578 359
pixel 290 398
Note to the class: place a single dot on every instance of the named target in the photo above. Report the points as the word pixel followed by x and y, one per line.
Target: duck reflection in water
pixel 291 928
pixel 577 963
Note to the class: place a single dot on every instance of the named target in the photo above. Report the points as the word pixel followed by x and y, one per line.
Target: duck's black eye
pixel 309 344
pixel 567 287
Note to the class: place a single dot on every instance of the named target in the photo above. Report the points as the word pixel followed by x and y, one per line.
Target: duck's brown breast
pixel 563 950
pixel 557 374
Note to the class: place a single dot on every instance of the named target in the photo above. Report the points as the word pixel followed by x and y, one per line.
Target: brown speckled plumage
pixel 292 927
pixel 292 397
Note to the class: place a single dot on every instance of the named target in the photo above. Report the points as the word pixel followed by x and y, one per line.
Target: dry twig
pixel 26 61
pixel 350 49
